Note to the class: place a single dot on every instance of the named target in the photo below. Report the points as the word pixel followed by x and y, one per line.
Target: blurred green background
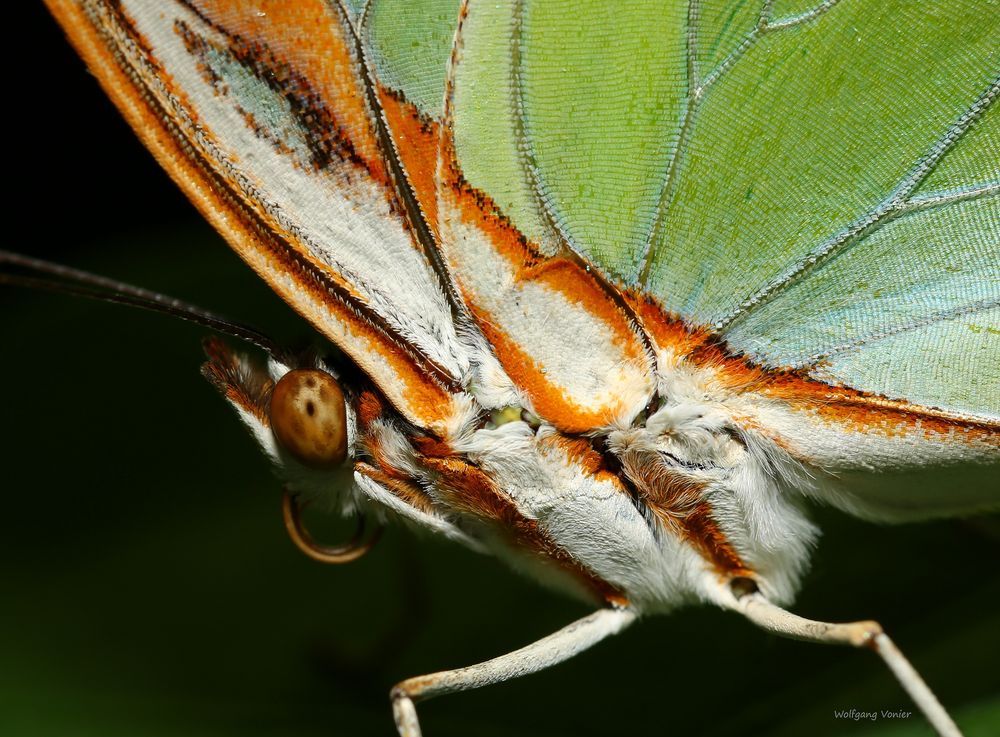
pixel 149 588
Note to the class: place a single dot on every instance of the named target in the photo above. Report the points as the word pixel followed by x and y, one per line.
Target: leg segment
pixel 557 647
pixel 774 619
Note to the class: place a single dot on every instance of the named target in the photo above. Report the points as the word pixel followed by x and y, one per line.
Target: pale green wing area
pixel 601 88
pixel 949 362
pixel 835 202
pixel 928 264
pixel 566 114
pixel 409 44
pixel 563 115
pixel 488 130
pixel 900 296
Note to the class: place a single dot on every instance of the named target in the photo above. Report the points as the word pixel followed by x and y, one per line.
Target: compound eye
pixel 309 418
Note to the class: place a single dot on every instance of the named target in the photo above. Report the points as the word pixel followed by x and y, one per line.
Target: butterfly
pixel 593 366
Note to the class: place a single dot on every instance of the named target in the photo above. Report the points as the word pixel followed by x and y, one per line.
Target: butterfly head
pixel 299 410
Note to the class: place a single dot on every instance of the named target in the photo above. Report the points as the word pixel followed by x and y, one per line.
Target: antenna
pixel 51 277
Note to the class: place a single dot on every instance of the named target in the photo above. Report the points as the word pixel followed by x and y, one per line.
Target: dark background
pixel 149 589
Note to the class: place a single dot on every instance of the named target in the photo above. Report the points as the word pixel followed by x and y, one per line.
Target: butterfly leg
pixel 557 647
pixel 869 634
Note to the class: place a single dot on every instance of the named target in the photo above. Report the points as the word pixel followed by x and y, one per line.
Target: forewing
pixel 264 114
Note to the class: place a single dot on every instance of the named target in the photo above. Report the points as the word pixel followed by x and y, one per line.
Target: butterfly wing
pixel 854 176
pixel 267 118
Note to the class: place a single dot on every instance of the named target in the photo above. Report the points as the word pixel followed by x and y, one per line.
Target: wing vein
pixel 804 17
pixel 938 199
